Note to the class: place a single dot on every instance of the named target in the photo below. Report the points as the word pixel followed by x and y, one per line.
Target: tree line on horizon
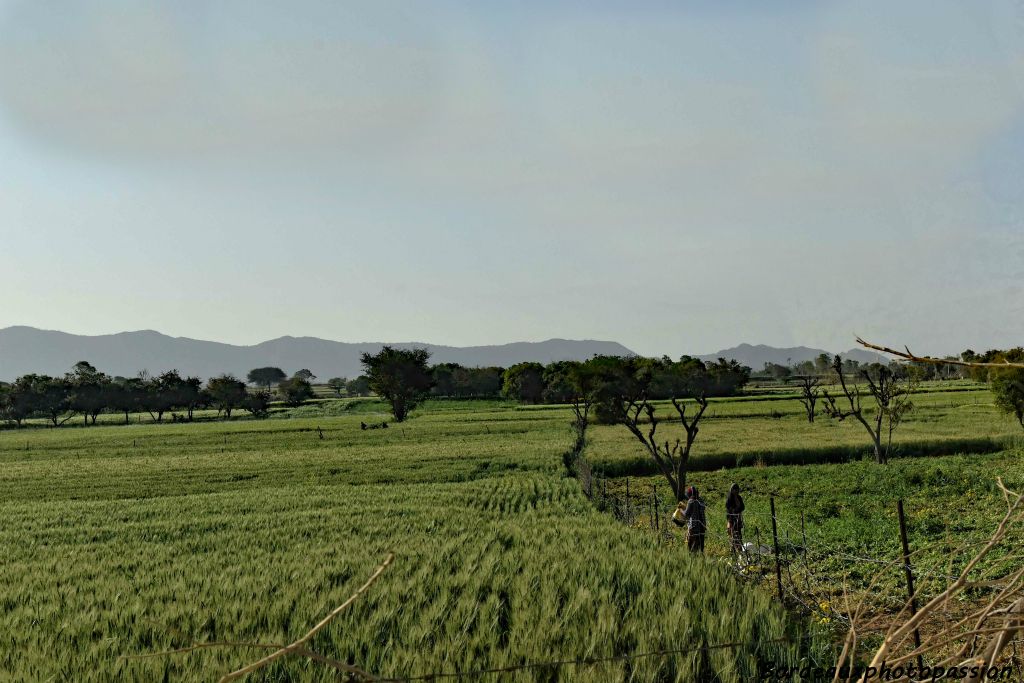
pixel 822 364
pixel 88 392
pixel 404 378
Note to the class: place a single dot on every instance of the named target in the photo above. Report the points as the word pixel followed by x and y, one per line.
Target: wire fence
pixel 585 661
pixel 808 569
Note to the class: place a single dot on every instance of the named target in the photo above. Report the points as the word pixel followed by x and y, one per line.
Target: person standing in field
pixel 692 517
pixel 734 518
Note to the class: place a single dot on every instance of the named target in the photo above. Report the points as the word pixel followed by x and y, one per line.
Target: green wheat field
pixel 124 541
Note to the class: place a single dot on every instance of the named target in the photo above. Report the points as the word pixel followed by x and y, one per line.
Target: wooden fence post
pixel 803 533
pixel 910 576
pixel 629 505
pixel 775 540
pixel 657 510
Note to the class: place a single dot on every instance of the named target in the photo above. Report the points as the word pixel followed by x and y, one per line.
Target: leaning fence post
pixel 910 577
pixel 775 540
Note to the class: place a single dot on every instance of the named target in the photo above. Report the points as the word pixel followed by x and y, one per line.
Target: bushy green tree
pixel 337 385
pixel 1008 389
pixel 486 382
pixel 776 371
pixel 126 395
pixel 305 374
pixel 165 392
pixel 295 391
pixel 5 403
pixel 722 378
pixel 524 382
pixel 89 391
pixel 558 381
pixel 192 395
pixel 445 379
pixel 42 395
pixel 266 377
pixel 226 394
pixel 258 403
pixel 360 386
pixel 399 376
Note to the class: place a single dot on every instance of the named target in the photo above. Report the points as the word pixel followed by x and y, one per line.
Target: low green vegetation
pixel 128 540
pixel 847 514
pixel 835 506
pixel 760 431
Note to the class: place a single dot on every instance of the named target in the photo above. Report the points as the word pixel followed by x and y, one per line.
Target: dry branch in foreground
pixel 907 355
pixel 975 640
pixel 296 648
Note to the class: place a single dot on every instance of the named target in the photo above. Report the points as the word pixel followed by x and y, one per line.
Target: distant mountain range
pixel 756 355
pixel 27 349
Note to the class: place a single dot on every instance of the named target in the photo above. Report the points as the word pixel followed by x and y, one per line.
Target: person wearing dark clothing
pixel 734 518
pixel 692 515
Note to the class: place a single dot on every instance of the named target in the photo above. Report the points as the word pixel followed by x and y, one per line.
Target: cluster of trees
pixel 403 378
pixel 449 380
pixel 618 389
pixel 87 392
pixel 294 390
pixel 810 376
pixel 452 380
pixel 343 386
pixel 665 378
pixel 823 365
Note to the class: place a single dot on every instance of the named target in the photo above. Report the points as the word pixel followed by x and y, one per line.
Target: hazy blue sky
pixel 678 177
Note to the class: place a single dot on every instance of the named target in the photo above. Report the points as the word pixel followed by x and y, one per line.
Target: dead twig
pixel 297 646
pixel 983 634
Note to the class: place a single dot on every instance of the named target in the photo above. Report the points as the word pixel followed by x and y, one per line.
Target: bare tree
pixel 810 391
pixel 892 403
pixel 670 457
pixel 581 406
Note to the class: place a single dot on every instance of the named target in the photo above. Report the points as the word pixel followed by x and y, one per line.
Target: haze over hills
pixel 755 356
pixel 26 349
